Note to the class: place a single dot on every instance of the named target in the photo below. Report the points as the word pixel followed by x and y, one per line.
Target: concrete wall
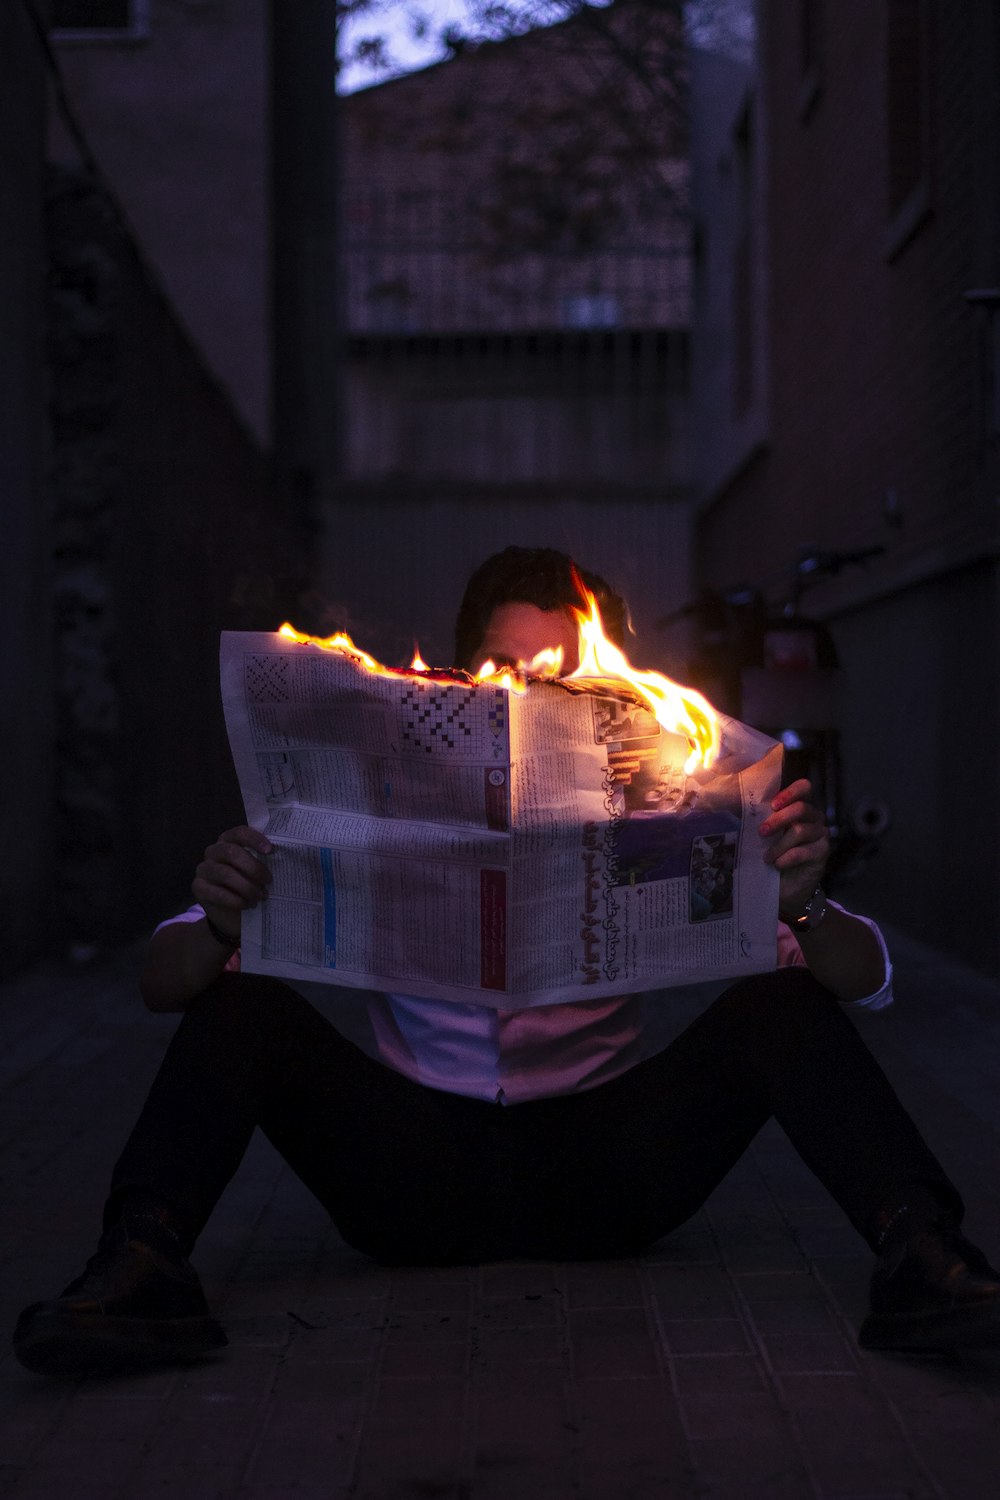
pixel 163 535
pixel 27 897
pixel 729 372
pixel 178 122
pixel 921 726
pixel 395 569
pixel 582 410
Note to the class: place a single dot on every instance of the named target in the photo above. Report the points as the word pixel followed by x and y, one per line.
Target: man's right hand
pixel 233 876
pixel 184 958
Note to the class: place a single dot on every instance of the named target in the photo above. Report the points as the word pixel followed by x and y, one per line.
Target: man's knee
pixel 250 1004
pixel 789 998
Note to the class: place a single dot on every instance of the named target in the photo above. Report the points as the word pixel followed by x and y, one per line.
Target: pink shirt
pixel 508 1057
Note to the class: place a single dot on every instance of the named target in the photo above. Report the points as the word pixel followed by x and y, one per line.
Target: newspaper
pixel 456 840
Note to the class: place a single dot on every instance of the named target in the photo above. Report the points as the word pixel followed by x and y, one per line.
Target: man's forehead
pixel 520 630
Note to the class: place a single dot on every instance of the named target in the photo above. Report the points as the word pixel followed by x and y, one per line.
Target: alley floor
pixel 724 1363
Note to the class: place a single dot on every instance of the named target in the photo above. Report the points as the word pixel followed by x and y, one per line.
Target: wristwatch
pixel 815 910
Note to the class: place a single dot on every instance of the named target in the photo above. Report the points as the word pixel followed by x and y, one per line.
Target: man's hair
pixel 530 575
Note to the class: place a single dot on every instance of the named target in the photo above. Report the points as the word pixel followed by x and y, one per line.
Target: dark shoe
pixel 933 1291
pixel 131 1309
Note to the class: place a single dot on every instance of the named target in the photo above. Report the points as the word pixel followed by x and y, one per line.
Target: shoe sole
pixel 56 1345
pixel 964 1328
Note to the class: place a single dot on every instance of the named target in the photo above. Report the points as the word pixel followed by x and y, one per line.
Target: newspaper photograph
pixel 438 836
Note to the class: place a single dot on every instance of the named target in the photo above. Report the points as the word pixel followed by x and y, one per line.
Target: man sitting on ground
pixel 436 1132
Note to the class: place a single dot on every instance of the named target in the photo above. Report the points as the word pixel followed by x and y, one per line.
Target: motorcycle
pixel 776 668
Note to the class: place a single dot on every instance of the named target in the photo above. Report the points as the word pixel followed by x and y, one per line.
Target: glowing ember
pixel 679 710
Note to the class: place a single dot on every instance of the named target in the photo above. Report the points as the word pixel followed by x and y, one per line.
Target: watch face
pixel 814 913
pixel 815 909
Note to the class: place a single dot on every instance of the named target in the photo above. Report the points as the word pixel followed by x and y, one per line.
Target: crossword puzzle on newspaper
pixel 267 678
pixel 436 717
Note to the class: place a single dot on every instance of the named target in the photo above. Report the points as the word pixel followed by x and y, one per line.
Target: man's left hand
pixel 799 849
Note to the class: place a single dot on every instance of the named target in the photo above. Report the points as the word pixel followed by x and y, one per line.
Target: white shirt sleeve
pixel 193 914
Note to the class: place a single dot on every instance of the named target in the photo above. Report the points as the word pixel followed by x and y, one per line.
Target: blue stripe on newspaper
pixel 329 910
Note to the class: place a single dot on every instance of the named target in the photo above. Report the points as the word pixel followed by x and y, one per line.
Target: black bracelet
pixel 221 937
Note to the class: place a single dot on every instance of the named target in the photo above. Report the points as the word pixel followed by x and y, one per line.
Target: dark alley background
pixel 707 295
pixel 693 302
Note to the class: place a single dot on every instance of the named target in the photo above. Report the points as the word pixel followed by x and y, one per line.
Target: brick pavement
pixel 722 1364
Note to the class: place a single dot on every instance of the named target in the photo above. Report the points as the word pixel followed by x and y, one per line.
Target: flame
pixel 679 710
pixel 338 642
pixel 511 678
pixel 547 663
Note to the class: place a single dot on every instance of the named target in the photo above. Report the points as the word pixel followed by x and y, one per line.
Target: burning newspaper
pixel 507 841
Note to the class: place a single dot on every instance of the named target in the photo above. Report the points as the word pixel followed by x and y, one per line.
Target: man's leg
pixel 401 1168
pixel 404 1170
pixel 635 1158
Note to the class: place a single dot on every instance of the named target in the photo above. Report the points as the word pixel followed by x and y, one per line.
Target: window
pixel 99 20
pixel 907 114
pixel 743 290
pixel 590 310
pixel 810 54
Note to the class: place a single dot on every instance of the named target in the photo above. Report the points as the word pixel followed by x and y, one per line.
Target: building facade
pixel 139 523
pixel 173 98
pixel 511 275
pixel 850 242
pixel 517 303
pixel 27 714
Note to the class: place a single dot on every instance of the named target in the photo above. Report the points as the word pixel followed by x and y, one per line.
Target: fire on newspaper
pixel 511 839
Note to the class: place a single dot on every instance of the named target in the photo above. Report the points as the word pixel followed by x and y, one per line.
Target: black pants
pixel 411 1174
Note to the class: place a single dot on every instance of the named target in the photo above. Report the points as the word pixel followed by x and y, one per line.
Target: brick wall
pixel 525 185
pixel 876 426
pixel 874 356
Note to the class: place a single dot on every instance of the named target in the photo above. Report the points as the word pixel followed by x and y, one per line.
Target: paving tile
pixel 418 1360
pixel 632 1380
pixel 841 1396
pixel 630 1437
pixel 813 1351
pixel 704 1336
pixel 281 1489
pixel 966 1472
pixel 845 1279
pixel 518 1346
pixel 691 1291
pixel 692 1244
pixel 750 1467
pixel 522 1428
pixel 616 1285
pixel 803 1310
pixel 425 1330
pixel 725 1373
pixel 955 1412
pixel 413 1436
pixel 20 1439
pixel 861 1457
pixel 509 1279
pixel 529 1310
pixel 611 1342
pixel 423 1294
